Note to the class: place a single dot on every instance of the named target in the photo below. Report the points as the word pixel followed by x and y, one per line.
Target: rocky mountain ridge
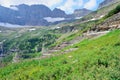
pixel 28 15
pixel 35 15
pixel 107 3
pixel 81 12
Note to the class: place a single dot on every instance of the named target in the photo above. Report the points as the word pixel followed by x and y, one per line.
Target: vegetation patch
pixel 96 59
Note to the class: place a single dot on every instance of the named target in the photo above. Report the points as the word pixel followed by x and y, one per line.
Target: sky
pixel 67 5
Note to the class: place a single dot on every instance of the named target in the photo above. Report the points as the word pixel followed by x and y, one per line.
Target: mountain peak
pixel 58 10
pixel 82 9
pixel 39 6
pixel 81 12
pixel 22 5
pixel 58 13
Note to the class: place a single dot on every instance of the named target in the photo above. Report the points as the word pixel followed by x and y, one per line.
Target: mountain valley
pixel 50 48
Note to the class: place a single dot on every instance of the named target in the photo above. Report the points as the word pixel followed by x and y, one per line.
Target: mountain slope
pixel 81 12
pixel 91 61
pixel 107 2
pixel 101 12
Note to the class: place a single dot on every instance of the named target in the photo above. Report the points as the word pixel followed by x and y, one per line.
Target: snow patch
pixel 78 17
pixel 10 25
pixel 32 29
pixel 93 19
pixel 50 19
pixel 13 7
pixel 101 16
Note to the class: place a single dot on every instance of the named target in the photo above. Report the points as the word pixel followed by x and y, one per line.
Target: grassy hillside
pixel 26 43
pixel 96 59
pixel 29 43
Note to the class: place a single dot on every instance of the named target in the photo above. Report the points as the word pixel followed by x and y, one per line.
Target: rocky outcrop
pixel 107 2
pixel 81 12
pixel 109 24
pixel 112 22
pixel 58 13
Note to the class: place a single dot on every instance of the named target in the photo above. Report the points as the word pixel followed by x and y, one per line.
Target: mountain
pixel 8 15
pixel 107 2
pixel 101 12
pixel 28 15
pixel 37 15
pixel 34 14
pixel 58 13
pixel 81 12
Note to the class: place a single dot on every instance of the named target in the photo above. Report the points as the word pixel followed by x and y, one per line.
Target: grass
pixel 28 44
pixel 96 59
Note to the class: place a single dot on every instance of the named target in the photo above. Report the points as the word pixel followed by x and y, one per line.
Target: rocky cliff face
pixel 107 2
pixel 114 20
pixel 58 13
pixel 111 23
pixel 8 15
pixel 81 12
pixel 35 15
pixel 28 15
